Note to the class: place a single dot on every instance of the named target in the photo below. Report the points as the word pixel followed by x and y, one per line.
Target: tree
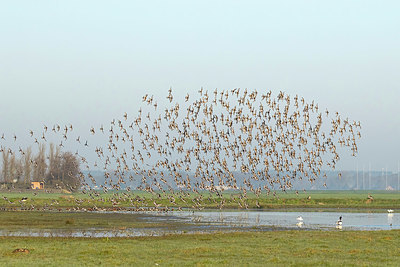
pixel 12 168
pixel 19 170
pixel 54 169
pixel 70 170
pixel 63 170
pixel 5 165
pixel 40 166
pixel 60 169
pixel 27 165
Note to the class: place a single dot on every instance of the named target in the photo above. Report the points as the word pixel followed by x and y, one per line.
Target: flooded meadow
pixel 106 224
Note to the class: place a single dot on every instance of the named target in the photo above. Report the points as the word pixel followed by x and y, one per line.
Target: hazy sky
pixel 86 62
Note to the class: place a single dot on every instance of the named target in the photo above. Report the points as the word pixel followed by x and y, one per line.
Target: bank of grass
pixel 356 200
pixel 281 248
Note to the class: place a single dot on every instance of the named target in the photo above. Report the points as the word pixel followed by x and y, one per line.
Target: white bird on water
pixel 390 211
pixel 390 217
pixel 300 222
pixel 339 223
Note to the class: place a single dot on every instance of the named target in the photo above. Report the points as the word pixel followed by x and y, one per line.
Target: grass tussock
pixel 70 221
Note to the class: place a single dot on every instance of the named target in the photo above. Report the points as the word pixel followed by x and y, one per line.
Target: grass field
pixel 251 248
pixel 356 200
pixel 280 248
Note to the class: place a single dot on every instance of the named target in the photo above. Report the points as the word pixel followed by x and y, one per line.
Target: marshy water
pixel 227 221
pixel 311 220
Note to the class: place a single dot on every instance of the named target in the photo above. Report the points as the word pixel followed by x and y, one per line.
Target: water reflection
pixel 390 219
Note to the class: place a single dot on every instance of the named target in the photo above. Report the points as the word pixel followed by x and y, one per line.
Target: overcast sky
pixel 86 62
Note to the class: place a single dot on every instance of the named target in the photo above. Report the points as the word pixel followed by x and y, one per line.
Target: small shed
pixel 37 185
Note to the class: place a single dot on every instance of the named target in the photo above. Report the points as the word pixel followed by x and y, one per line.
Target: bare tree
pixel 50 174
pixel 42 161
pixel 5 165
pixel 62 168
pixel 35 173
pixel 70 170
pixel 19 170
pixel 57 160
pixel 54 169
pixel 12 169
pixel 27 165
pixel 40 166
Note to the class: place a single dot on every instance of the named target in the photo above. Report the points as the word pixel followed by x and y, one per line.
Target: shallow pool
pixel 227 221
pixel 312 220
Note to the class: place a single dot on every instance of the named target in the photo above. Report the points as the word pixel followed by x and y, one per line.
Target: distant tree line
pixel 56 169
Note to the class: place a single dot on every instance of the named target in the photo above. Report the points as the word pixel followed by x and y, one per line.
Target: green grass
pixel 274 248
pixel 356 200
pixel 281 248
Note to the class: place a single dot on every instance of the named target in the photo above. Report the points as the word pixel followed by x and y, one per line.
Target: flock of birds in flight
pixel 238 140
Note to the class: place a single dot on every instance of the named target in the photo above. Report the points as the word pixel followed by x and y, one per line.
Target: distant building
pixel 37 185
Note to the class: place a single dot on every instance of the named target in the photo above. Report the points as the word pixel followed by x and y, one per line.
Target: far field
pixel 315 200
